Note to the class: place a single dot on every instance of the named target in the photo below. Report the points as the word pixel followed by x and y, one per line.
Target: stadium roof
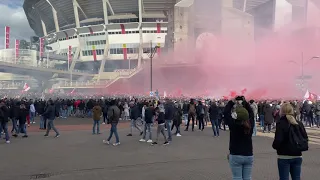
pixel 37 10
pixel 250 4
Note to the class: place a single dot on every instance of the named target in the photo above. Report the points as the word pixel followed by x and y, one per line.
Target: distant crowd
pixel 239 116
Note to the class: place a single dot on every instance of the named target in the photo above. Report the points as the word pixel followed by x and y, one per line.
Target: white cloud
pixel 17 20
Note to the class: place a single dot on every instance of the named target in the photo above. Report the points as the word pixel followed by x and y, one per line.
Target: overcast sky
pixel 12 14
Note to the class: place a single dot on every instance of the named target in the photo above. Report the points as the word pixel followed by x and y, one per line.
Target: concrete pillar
pixel 105 11
pixel 76 13
pixel 44 28
pixel 140 34
pixel 55 19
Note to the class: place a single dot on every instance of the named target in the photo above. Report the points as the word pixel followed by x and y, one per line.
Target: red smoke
pixel 233 67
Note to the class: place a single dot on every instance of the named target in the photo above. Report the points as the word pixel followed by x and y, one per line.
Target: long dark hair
pixel 246 126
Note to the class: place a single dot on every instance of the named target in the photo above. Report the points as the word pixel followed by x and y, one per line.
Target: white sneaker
pixel 178 134
pixel 149 141
pixel 116 144
pixel 103 123
pixel 142 140
pixel 33 122
pixel 106 142
pixel 8 142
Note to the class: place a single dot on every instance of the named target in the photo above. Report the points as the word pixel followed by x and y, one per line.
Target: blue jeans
pixel 254 129
pixel 292 166
pixel 4 127
pixel 22 129
pixel 51 126
pixel 32 115
pixel 113 130
pixel 168 122
pixel 14 125
pixel 261 119
pixel 147 128
pixel 64 113
pixel 185 118
pixel 241 167
pixel 215 126
pixel 96 123
pixel 317 121
pixel 42 122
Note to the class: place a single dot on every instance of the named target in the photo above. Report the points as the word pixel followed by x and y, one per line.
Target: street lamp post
pixel 303 63
pixel 153 51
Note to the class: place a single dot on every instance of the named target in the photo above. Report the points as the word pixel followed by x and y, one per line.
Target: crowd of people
pixel 242 118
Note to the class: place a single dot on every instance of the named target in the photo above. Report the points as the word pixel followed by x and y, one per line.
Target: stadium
pixel 114 40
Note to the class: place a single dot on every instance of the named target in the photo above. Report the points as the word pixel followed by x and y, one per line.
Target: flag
pixel 310 96
pixel 69 53
pixel 26 87
pixel 7 37
pixel 73 90
pixel 307 95
pixel 17 44
pixel 243 91
pixel 94 53
pixel 41 47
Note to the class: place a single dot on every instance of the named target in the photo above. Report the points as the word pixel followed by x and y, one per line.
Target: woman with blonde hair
pixel 289 141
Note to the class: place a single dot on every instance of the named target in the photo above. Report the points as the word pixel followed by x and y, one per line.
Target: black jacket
pixel 160 118
pixel 169 111
pixel 149 112
pixel 240 143
pixel 281 139
pixel 135 112
pixel 214 112
pixel 50 112
pixel 4 114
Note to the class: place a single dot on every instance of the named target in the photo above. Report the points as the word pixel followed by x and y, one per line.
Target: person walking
pixel 148 117
pixel 50 114
pixel 96 115
pixel 214 113
pixel 113 118
pixel 4 114
pixel 239 117
pixel 289 154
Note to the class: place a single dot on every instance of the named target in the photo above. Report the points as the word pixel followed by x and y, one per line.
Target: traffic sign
pixel 151 93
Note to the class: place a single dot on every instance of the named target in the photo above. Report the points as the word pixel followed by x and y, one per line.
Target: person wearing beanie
pixel 239 117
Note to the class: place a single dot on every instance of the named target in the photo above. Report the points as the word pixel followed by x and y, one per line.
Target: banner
pixel 7 37
pixel 17 44
pixel 94 53
pixel 69 53
pixel 41 47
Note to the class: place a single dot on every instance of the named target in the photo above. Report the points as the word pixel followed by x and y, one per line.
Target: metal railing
pixel 42 64
pixel 81 84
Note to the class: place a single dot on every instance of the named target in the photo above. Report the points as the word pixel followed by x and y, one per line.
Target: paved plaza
pixel 79 155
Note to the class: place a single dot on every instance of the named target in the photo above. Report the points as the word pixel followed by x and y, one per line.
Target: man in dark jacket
pixel 215 113
pixel 149 113
pixel 134 115
pixel 177 119
pixel 4 114
pixel 113 118
pixel 168 116
pixel 50 114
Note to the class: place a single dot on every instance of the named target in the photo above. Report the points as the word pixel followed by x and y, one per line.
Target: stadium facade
pixel 107 35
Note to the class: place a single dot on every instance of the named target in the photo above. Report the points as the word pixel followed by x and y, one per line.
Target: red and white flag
pixel 26 87
pixel 310 96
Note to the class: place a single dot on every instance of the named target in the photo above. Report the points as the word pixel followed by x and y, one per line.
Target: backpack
pixel 298 138
pixel 192 109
